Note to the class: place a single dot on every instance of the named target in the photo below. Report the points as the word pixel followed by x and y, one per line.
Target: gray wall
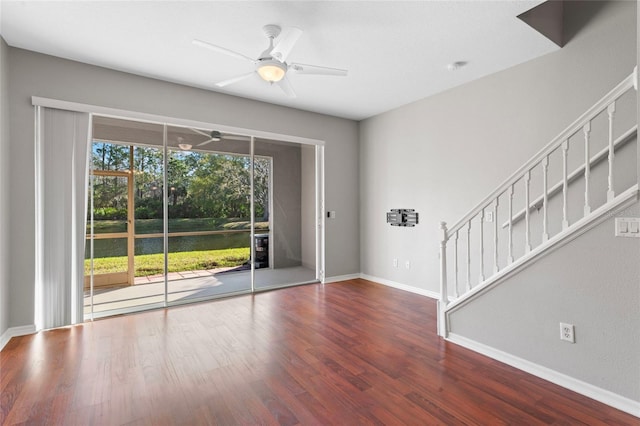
pixel 4 189
pixel 443 154
pixel 592 283
pixel 40 75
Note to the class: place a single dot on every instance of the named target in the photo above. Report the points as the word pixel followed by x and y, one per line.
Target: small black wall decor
pixel 402 217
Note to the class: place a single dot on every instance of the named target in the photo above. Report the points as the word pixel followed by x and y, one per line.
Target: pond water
pixel 118 246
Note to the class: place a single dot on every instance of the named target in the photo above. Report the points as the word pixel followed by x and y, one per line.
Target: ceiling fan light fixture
pixel 271 70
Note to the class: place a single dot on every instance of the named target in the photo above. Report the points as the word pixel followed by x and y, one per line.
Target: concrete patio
pixel 148 292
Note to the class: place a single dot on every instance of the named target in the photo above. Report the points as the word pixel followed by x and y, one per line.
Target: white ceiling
pixel 396 52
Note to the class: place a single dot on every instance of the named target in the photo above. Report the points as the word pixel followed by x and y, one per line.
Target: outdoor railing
pixel 107 235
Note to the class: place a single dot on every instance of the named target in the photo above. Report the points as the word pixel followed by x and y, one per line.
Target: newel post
pixel 444 291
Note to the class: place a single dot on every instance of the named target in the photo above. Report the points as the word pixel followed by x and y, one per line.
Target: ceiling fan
pixel 272 65
pixel 216 136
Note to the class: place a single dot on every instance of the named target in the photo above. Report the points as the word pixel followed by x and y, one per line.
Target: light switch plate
pixel 628 227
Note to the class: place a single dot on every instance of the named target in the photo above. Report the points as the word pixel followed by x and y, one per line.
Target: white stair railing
pixel 451 293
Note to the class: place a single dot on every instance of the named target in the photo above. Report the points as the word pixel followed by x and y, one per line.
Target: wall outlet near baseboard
pixel 567 332
pixel 395 263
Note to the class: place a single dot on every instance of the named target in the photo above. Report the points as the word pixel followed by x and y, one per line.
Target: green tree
pixel 179 175
pixel 220 186
pixel 198 185
pixel 110 156
pixel 147 164
pixel 261 175
pixel 110 192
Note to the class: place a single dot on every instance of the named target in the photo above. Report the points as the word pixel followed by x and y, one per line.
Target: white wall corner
pixel 15 332
pixel 400 286
pixel 602 395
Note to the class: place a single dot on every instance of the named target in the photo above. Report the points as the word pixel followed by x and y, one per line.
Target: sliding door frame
pixel 320 215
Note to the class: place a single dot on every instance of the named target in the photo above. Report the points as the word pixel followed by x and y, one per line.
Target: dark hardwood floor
pixel 346 353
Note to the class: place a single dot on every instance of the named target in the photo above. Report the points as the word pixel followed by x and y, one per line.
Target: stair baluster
pixel 527 213
pixel 496 267
pixel 545 189
pixel 587 168
pixel 469 255
pixel 455 266
pixel 510 257
pixel 481 239
pixel 565 185
pixel 611 109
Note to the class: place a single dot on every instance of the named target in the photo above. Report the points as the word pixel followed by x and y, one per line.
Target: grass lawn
pixel 153 264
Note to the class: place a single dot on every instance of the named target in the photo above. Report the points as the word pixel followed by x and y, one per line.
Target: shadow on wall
pixel 581 13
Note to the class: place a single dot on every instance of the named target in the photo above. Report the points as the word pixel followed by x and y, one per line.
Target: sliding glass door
pixel 285 204
pixel 124 257
pixel 209 205
pixel 179 214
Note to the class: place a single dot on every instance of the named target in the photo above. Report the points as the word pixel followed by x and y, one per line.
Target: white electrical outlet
pixel 395 263
pixel 488 216
pixel 567 332
pixel 407 264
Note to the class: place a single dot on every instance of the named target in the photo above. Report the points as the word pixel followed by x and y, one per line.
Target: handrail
pixel 555 143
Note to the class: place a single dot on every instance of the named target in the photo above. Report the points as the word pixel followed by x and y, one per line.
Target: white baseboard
pixel 15 332
pixel 339 278
pixel 602 395
pixel 400 286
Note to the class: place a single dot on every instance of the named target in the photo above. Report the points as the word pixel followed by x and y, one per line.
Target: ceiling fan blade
pixel 316 70
pixel 219 49
pixel 286 43
pixel 235 79
pixel 205 142
pixel 235 138
pixel 200 132
pixel 286 87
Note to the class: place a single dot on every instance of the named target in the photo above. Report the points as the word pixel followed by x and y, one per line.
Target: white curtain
pixel 62 164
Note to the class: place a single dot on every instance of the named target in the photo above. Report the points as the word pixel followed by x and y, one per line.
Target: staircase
pixel 584 174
